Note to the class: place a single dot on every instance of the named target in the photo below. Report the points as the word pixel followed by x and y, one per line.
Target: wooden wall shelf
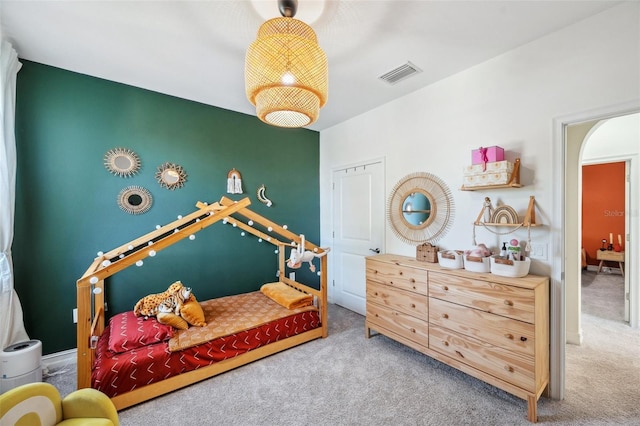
pixel 505 225
pixel 529 218
pixel 514 181
pixel 482 188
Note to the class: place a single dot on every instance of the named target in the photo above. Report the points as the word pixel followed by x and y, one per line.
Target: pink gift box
pixel 487 155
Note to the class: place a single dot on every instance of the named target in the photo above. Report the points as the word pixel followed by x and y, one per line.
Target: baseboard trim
pixel 605 269
pixel 59 359
pixel 574 338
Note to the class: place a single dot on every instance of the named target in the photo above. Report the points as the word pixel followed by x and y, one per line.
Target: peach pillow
pixel 192 312
pixel 172 319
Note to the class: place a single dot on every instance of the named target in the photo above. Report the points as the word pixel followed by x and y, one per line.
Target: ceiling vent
pixel 400 73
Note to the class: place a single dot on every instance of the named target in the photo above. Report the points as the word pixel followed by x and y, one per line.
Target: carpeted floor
pixel 603 295
pixel 347 379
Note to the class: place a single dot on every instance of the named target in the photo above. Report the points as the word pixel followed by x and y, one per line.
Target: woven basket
pixel 427 253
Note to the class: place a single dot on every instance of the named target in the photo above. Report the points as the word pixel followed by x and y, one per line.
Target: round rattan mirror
pixel 420 208
pixel 122 162
pixel 135 200
pixel 171 176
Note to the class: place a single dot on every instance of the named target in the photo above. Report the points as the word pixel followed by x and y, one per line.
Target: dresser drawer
pixel 413 304
pixel 398 322
pixel 497 330
pixel 509 366
pixel 405 278
pixel 502 299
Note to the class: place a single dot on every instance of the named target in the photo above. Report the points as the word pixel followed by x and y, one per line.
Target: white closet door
pixel 358 229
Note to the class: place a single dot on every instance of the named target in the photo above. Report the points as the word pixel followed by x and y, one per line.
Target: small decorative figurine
pixel 299 255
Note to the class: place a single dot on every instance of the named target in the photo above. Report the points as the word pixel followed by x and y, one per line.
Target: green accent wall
pixel 66 200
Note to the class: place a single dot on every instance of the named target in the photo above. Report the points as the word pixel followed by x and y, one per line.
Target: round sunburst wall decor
pixel 171 176
pixel 135 200
pixel 420 208
pixel 122 162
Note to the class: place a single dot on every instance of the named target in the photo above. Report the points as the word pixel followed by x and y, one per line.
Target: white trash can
pixel 20 363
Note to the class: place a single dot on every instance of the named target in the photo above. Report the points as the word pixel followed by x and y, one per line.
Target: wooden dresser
pixel 491 327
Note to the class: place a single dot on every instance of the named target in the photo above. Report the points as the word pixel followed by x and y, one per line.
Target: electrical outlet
pixel 75 316
pixel 539 251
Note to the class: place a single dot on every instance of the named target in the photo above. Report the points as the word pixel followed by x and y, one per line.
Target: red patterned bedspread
pixel 118 373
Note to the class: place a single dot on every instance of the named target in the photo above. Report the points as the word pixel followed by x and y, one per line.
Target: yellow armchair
pixel 39 404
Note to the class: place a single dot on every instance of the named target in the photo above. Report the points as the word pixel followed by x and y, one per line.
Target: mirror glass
pixel 420 208
pixel 122 162
pixel 416 208
pixel 171 176
pixel 135 200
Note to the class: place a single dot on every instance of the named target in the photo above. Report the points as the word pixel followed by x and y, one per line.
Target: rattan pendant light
pixel 286 73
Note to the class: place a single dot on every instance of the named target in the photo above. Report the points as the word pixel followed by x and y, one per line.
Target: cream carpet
pixel 347 379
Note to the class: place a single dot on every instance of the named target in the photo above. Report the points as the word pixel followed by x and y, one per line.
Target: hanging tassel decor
pixel 234 182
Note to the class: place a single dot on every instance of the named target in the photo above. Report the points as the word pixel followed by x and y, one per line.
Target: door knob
pixel 375 250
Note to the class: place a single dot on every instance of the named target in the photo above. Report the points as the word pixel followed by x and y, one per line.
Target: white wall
pixel 617 137
pixel 510 101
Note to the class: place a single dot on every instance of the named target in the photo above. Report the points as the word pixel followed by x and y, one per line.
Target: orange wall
pixel 602 206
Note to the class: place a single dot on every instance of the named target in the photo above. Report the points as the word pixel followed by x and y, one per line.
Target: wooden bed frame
pixel 90 290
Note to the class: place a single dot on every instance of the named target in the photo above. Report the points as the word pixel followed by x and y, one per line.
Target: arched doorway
pixel 569 135
pixel 609 153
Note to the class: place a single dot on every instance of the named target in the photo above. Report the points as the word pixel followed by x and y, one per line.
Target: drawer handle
pixel 509 336
pixel 445 288
pixel 401 273
pixel 460 353
pixel 413 330
pixel 412 280
pixel 413 305
pixel 445 316
pixel 523 339
pixel 376 293
pixel 508 302
pixel 444 342
pixel 509 368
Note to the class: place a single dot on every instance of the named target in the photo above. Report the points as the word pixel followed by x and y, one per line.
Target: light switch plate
pixel 539 251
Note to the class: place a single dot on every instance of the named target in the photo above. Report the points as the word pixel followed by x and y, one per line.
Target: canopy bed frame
pixel 91 291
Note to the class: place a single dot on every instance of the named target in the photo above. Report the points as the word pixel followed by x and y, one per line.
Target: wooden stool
pixel 613 256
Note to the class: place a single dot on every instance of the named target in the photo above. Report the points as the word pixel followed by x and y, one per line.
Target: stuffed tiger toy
pixel 173 299
pixel 169 306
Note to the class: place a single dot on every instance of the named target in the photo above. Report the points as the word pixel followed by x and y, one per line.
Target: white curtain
pixel 11 322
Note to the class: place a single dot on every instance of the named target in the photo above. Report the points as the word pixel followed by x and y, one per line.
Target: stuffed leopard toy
pixel 172 300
